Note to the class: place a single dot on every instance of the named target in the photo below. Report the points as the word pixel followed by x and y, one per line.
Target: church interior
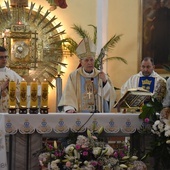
pixel 35 34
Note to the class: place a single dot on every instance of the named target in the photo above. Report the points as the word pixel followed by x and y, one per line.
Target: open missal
pixel 133 98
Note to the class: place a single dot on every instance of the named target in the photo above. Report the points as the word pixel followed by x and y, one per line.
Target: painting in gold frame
pixel 156 32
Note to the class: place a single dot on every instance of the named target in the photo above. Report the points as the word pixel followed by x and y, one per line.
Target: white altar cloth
pixel 63 122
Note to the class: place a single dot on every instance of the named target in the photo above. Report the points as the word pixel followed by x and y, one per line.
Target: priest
pixel 147 79
pixel 6 75
pixel 87 90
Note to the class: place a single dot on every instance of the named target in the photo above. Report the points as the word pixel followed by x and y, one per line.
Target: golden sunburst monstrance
pixel 32 39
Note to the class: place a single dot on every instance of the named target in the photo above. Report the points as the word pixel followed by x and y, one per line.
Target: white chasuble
pixel 86 93
pixel 7 75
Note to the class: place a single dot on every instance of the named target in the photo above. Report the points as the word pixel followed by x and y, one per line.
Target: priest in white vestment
pixel 147 78
pixel 87 89
pixel 6 75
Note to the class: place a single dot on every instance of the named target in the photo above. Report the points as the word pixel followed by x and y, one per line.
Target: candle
pixel 23 93
pixel 59 69
pixel 12 94
pixel 55 145
pixel 44 93
pixel 34 98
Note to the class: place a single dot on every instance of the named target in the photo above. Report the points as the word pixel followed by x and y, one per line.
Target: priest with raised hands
pixel 88 90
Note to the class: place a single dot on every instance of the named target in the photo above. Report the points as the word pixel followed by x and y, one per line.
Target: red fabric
pixel 61 3
pixel 79 65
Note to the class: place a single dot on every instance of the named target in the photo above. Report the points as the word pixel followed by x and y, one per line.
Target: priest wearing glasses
pixel 88 90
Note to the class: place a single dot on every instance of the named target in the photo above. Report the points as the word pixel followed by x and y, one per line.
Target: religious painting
pixel 156 32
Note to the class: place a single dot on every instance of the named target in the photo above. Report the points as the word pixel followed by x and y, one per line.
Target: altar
pixel 29 128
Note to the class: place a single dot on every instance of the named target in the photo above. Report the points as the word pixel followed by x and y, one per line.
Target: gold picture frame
pixel 155 32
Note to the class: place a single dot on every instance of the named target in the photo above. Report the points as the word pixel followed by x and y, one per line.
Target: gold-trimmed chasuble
pixel 88 98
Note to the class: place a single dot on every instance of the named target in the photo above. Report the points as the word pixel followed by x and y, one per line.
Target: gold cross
pixel 89 93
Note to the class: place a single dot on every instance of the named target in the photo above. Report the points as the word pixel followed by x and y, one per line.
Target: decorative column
pixel 102 25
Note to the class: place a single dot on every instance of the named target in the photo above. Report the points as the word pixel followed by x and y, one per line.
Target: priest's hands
pixel 102 76
pixel 4 85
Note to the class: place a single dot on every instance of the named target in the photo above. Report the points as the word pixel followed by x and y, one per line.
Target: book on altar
pixel 133 98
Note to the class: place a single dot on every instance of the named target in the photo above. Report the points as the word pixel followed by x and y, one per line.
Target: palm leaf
pixel 80 31
pixel 117 58
pixel 94 34
pixel 71 45
pixel 112 42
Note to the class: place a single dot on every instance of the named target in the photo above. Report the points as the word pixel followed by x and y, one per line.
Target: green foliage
pixel 150 109
pixel 71 44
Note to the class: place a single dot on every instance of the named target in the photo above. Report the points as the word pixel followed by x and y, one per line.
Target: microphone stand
pixel 101 56
pixel 94 111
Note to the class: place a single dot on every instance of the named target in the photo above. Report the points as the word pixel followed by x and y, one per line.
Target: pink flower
pixel 78 147
pixel 50 146
pixel 146 120
pixel 85 153
pixel 68 164
pixel 94 163
pixel 115 154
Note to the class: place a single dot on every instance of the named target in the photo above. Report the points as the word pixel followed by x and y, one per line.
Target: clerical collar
pixel 88 74
pixel 2 69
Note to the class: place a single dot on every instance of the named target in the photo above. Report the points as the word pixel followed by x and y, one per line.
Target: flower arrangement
pixel 88 153
pixel 157 124
pixel 160 147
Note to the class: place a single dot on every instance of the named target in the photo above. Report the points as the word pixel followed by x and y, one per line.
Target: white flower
pixel 97 150
pixel 54 165
pixel 109 150
pixel 161 126
pixel 125 157
pixel 70 148
pixel 168 142
pixel 167 133
pixel 82 141
pixel 123 166
pixel 157 122
pixel 134 158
